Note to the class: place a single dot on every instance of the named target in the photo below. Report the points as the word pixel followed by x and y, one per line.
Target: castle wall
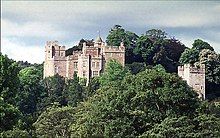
pixel 117 53
pixel 89 62
pixel 195 78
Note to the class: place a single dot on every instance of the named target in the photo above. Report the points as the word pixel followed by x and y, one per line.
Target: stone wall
pixel 195 77
pixel 87 63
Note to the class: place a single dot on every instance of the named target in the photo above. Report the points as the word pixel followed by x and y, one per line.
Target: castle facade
pixel 88 63
pixel 195 77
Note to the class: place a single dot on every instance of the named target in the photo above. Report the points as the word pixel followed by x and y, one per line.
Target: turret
pixel 54 54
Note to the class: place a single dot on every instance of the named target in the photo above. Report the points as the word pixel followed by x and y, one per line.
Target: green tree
pixel 192 55
pixel 154 48
pixel 31 89
pixel 199 44
pixel 55 122
pixel 9 81
pixel 74 91
pixel 9 116
pixel 117 34
pixel 134 105
pixel 156 34
pixel 54 92
pixel 15 133
pixel 114 72
pixel 189 56
pixel 203 53
pixel 200 126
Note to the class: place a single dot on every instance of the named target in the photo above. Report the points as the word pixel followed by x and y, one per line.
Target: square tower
pixel 195 77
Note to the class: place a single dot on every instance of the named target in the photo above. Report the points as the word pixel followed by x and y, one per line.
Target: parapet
pixel 52 43
pixel 192 68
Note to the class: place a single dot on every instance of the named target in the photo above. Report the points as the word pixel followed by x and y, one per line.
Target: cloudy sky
pixel 27 25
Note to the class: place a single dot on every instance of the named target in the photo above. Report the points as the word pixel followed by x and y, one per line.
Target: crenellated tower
pixel 55 60
pixel 194 76
pixel 86 63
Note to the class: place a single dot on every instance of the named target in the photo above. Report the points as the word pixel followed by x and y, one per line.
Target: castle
pixel 87 63
pixel 90 62
pixel 195 77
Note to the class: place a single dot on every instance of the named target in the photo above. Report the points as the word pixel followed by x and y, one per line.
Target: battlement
pixel 194 76
pixel 192 68
pixel 120 48
pixel 88 62
pixel 55 45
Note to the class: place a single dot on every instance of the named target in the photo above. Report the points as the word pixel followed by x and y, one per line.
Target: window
pixel 56 69
pixel 75 65
pixel 95 73
pixel 97 64
pixel 84 74
pixel 93 64
pixel 84 63
pixel 62 54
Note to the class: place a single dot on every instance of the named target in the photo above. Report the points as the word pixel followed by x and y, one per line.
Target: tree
pixel 200 126
pixel 136 67
pixel 199 44
pixel 9 116
pixel 54 92
pixel 117 35
pixel 114 72
pixel 189 56
pixel 31 89
pixel 9 81
pixel 74 91
pixel 155 48
pixel 14 133
pixel 192 55
pixel 135 105
pixel 203 53
pixel 55 122
pixel 156 34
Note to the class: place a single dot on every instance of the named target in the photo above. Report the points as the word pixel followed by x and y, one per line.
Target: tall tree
pixel 55 122
pixel 9 81
pixel 135 106
pixel 117 35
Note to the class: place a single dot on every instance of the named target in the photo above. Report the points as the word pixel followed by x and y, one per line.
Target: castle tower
pixel 55 60
pixel 195 77
pixel 116 53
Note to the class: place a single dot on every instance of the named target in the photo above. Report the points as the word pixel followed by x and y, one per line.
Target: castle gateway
pixel 89 62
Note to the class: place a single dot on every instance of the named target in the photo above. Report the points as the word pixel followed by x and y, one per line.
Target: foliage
pixel 117 35
pixel 154 48
pixel 55 122
pixel 203 53
pixel 114 72
pixel 15 133
pixel 200 126
pixel 200 45
pixel 78 47
pixel 136 67
pixel 31 89
pixel 54 92
pixel 130 109
pixel 9 81
pixel 9 116
pixel 74 91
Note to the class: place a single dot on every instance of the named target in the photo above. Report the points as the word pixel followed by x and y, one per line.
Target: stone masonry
pixel 195 77
pixel 88 63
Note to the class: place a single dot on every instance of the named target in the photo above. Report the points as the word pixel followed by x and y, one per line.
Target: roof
pixel 98 39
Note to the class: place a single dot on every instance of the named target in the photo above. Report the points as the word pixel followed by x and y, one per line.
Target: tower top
pixel 98 40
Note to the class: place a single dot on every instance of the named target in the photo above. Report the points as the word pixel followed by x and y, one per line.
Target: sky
pixel 27 25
